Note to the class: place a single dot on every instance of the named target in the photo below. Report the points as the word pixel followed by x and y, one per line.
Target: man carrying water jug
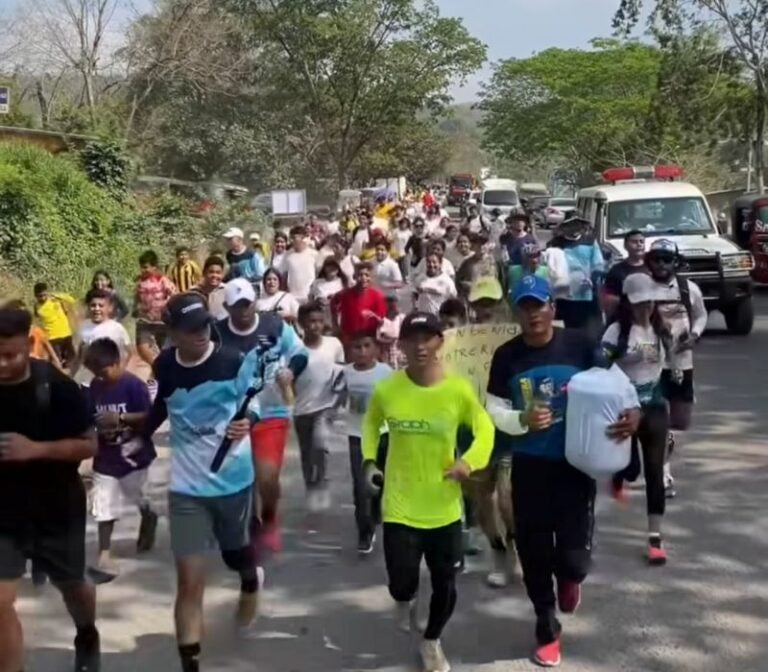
pixel 553 501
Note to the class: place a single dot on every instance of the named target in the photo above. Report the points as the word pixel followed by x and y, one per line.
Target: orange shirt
pixel 37 351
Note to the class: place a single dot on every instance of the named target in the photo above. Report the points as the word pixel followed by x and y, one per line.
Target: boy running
pixel 360 377
pixel 201 387
pixel 423 407
pixel 185 272
pixel 45 431
pixel 55 314
pixel 120 402
pixel 316 396
pixel 153 290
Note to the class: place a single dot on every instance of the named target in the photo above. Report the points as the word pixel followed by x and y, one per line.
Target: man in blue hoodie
pixel 244 262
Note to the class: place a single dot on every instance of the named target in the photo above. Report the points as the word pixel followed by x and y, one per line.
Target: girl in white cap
pixel 638 341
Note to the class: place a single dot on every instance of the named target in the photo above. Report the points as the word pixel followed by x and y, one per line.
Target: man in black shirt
pixel 634 244
pixel 45 431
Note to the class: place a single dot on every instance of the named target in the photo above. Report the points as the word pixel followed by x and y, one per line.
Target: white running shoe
pixel 432 656
pixel 497 577
pixel 314 500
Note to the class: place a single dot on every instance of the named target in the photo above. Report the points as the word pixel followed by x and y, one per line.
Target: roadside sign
pixel 5 100
pixel 289 202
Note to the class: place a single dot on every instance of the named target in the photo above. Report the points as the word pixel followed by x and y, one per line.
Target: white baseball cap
pixel 234 232
pixel 640 288
pixel 239 289
pixel 255 236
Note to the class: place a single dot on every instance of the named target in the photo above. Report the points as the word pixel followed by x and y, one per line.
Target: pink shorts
pixel 268 440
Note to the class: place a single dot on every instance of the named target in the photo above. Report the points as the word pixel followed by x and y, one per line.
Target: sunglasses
pixel 664 258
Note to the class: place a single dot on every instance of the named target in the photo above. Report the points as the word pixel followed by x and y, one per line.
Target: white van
pixel 639 199
pixel 498 193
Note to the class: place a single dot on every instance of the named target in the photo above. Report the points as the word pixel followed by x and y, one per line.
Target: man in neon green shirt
pixel 423 408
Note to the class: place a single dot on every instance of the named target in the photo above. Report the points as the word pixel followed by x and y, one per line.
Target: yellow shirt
pixel 53 317
pixel 423 424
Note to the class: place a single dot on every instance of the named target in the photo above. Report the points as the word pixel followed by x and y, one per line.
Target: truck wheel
pixel 740 317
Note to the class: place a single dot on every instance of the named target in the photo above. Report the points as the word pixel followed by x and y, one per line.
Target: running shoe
pixel 365 543
pixel 432 656
pixel 314 500
pixel 248 604
pixel 88 653
pixel 497 577
pixel 657 554
pixel 548 655
pixel 568 596
pixel 147 531
pixel 619 492
pixel 471 542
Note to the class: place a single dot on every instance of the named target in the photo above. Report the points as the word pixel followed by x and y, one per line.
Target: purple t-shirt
pixel 124 451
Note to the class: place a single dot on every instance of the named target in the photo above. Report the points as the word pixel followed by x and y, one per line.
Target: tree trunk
pixel 760 136
pixel 90 98
pixel 43 103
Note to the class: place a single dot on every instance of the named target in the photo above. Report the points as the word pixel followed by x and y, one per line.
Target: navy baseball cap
pixel 420 323
pixel 532 287
pixel 187 312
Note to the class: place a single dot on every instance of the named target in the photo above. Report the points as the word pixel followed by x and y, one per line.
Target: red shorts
pixel 268 439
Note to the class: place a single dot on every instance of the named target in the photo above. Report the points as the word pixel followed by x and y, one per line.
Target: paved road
pixel 325 610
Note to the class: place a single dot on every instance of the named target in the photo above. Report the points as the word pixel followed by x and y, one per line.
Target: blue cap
pixel 532 287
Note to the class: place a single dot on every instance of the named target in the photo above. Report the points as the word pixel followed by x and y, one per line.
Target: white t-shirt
pixel 643 360
pixel 441 287
pixel 111 329
pixel 361 239
pixel 400 239
pixel 433 227
pixel 675 318
pixel 387 274
pixel 315 386
pixel 360 386
pixel 300 272
pixel 278 262
pixel 324 289
pixel 282 303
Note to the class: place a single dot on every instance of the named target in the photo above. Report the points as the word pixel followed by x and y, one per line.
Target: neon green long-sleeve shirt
pixel 423 422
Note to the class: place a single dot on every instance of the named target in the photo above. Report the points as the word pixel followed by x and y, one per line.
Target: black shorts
pixel 64 349
pixel 673 390
pixel 55 542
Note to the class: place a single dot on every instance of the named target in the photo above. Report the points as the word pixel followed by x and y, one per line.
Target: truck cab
pixel 651 201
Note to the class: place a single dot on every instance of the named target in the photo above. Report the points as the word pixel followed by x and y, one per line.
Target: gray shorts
pixel 201 524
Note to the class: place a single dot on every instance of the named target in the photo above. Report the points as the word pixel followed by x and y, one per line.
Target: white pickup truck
pixel 647 199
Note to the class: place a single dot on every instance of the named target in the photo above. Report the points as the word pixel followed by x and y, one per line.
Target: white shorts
pixel 111 496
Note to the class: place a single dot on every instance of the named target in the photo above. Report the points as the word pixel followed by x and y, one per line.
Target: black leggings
pixel 652 439
pixel 404 548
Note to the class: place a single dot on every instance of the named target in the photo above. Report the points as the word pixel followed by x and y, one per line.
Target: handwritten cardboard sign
pixel 468 350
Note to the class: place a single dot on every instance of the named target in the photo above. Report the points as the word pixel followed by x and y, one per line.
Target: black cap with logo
pixel 420 323
pixel 187 312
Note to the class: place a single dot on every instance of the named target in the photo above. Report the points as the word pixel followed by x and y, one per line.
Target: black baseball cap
pixel 187 312
pixel 420 323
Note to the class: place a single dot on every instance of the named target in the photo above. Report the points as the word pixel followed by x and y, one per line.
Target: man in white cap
pixel 243 261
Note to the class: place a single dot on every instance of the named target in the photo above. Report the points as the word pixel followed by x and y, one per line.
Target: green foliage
pixel 586 107
pixel 362 66
pixel 106 166
pixel 57 226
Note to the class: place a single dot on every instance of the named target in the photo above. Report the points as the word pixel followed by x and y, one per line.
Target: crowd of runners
pixel 333 329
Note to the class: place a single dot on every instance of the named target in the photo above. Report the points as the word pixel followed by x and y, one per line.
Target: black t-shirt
pixel 61 411
pixel 618 273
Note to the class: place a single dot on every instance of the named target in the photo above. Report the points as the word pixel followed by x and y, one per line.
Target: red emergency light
pixel 642 173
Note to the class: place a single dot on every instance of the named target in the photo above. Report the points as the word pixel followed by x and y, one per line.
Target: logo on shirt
pixel 409 426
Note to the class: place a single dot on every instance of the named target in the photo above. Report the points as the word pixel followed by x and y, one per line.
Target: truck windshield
pixel 656 216
pixel 464 182
pixel 500 198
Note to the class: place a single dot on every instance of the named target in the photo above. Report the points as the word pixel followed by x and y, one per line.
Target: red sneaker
pixel 548 655
pixel 568 596
pixel 619 493
pixel 657 554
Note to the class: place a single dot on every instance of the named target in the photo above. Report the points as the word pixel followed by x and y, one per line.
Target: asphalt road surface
pixel 325 610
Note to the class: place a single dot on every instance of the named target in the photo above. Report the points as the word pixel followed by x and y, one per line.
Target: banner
pixel 468 351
